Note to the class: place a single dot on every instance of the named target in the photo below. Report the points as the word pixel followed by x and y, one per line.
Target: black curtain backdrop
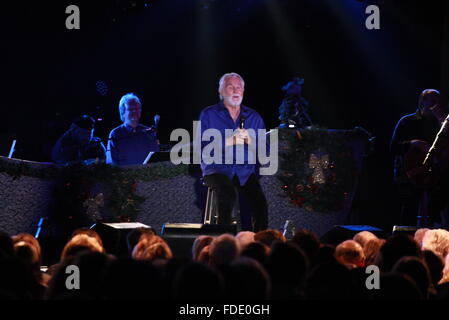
pixel 172 53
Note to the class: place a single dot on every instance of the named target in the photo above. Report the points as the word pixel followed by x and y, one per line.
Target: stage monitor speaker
pixel 410 230
pixel 340 233
pixel 114 236
pixel 180 236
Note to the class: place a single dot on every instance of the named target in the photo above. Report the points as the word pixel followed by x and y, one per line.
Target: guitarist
pixel 420 193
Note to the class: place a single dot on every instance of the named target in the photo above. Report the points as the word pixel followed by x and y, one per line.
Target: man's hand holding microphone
pixel 241 136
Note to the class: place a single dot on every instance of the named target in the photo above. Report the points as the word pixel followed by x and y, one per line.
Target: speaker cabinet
pixel 114 236
pixel 180 236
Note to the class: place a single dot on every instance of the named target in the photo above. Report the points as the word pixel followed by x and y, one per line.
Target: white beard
pixel 229 101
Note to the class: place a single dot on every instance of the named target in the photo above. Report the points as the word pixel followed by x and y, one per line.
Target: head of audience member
pixel 151 247
pixel 204 255
pixel 82 129
pixel 329 281
pixel 287 266
pixel 79 243
pixel 28 250
pixel 396 247
pixel 168 271
pixel 325 254
pixel 435 265
pixel 198 245
pixel 257 251
pixel 419 235
pixel 417 270
pixel 371 250
pixel 363 237
pixel 198 282
pixel 231 88
pixel 92 267
pixel 17 281
pixel 129 279
pixel 130 109
pixel 436 240
pixel 246 279
pixel 144 242
pixel 309 242
pixel 224 249
pixel 6 246
pixel 158 251
pixel 88 232
pixel 134 235
pixel 244 238
pixel 350 253
pixel 269 236
pixel 397 287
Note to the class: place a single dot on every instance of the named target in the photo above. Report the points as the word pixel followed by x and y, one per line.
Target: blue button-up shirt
pixel 218 117
pixel 128 145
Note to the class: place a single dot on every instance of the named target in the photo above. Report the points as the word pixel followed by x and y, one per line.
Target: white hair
pixel 437 241
pixel 244 238
pixel 223 250
pixel 350 252
pixel 122 104
pixel 223 79
pixel 419 235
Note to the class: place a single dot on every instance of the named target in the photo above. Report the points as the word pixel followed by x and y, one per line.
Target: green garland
pixel 298 180
pixel 75 182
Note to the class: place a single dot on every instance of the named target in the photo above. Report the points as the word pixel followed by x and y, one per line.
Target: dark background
pixel 172 52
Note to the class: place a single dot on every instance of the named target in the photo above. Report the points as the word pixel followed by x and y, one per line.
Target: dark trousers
pixel 227 195
pixel 409 198
pixel 432 203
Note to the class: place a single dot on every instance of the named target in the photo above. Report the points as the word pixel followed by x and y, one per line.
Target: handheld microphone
pixel 157 118
pixel 242 126
pixel 242 122
pixel 13 148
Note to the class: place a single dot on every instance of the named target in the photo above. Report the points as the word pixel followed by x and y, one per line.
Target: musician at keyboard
pixel 131 142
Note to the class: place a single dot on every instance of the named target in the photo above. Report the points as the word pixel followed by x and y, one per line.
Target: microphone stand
pixel 13 148
pixel 435 142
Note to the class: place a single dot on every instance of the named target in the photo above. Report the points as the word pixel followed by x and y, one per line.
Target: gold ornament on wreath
pixel 318 163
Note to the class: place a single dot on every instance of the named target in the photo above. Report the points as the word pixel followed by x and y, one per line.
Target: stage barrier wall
pixel 160 193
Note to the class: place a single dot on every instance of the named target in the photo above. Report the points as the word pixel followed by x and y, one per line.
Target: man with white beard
pixel 229 114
